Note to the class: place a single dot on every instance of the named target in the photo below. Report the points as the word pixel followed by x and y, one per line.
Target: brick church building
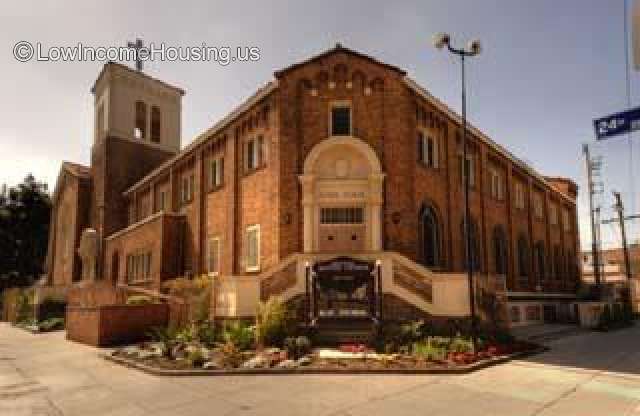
pixel 341 166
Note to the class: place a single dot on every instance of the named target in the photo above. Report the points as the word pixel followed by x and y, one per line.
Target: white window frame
pixel 519 195
pixel 496 183
pixel 538 209
pixel 213 242
pixel 252 229
pixel 216 172
pixel 472 171
pixel 427 138
pixel 257 157
pixel 340 104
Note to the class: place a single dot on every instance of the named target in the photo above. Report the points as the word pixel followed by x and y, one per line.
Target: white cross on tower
pixel 137 45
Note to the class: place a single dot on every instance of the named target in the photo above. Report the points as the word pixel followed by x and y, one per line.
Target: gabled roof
pixel 335 49
pixel 79 171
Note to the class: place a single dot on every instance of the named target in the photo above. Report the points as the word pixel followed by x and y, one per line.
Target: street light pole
pixel 474 48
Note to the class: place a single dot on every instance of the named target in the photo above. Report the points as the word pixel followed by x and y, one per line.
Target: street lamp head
pixel 474 47
pixel 441 40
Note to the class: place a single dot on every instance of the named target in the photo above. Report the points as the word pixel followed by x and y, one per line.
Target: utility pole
pixel 620 208
pixel 593 166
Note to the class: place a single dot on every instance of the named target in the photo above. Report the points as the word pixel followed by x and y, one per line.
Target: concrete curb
pixel 464 369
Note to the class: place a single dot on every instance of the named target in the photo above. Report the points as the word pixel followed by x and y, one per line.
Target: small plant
pixel 139 300
pixel 297 346
pixel 208 334
pixel 51 324
pixel 167 337
pixel 187 334
pixel 274 322
pixel 430 349
pixel 460 344
pixel 240 334
pixel 196 357
pixel 230 355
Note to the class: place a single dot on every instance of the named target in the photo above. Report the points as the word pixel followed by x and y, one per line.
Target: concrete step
pixel 344 331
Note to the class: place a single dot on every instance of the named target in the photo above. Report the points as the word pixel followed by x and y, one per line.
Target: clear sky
pixel 547 69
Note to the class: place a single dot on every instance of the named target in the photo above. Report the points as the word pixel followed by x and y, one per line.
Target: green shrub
pixel 139 300
pixel 196 357
pixel 196 293
pixel 297 346
pixel 274 322
pixel 240 334
pixel 208 334
pixel 431 349
pixel 51 307
pixel 230 355
pixel 167 336
pixel 24 306
pixel 51 324
pixel 460 344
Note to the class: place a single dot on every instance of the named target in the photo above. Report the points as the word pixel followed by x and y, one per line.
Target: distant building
pixel 612 267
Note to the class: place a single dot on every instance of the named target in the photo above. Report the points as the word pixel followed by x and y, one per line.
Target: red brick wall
pixel 114 324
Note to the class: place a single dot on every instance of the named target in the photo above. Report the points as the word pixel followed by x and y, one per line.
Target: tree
pixel 25 211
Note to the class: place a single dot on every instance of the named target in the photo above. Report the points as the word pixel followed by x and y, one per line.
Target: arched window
pixel 523 259
pixel 539 257
pixel 140 130
pixel 475 247
pixel 430 237
pixel 500 261
pixel 155 124
pixel 557 263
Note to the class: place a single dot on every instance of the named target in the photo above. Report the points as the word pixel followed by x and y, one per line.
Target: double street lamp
pixel 440 41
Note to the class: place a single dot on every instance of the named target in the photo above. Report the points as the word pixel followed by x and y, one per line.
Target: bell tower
pixel 132 105
pixel 137 126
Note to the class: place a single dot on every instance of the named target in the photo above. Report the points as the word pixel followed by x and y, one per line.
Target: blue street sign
pixel 620 123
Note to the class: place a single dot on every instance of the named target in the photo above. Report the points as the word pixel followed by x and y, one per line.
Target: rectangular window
pixel 147 263
pixel 186 193
pixel 427 150
pixel 342 215
pixel 216 173
pixel 341 120
pixel 155 124
pixel 161 200
pixel 253 248
pixel 254 156
pixel 213 255
pixel 553 214
pixel 565 220
pixel 496 183
pixel 519 195
pixel 537 206
pixel 467 169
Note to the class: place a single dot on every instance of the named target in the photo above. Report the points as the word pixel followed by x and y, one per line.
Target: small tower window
pixel 155 124
pixel 140 131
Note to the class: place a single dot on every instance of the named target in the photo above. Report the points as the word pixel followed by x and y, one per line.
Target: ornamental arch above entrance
pixel 342 197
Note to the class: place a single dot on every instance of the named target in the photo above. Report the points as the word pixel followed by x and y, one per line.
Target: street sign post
pixel 619 123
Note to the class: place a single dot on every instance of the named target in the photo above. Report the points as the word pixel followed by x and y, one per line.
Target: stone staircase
pixel 336 331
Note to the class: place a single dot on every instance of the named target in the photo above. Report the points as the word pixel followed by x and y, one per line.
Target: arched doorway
pixel 430 234
pixel 342 197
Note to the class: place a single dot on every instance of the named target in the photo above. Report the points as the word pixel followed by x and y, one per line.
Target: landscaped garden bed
pixel 46 325
pixel 274 345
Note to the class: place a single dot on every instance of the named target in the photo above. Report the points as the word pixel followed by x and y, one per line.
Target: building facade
pixel 340 155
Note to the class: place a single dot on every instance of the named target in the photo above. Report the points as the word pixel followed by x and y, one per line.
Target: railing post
pixel 307 307
pixel 380 294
